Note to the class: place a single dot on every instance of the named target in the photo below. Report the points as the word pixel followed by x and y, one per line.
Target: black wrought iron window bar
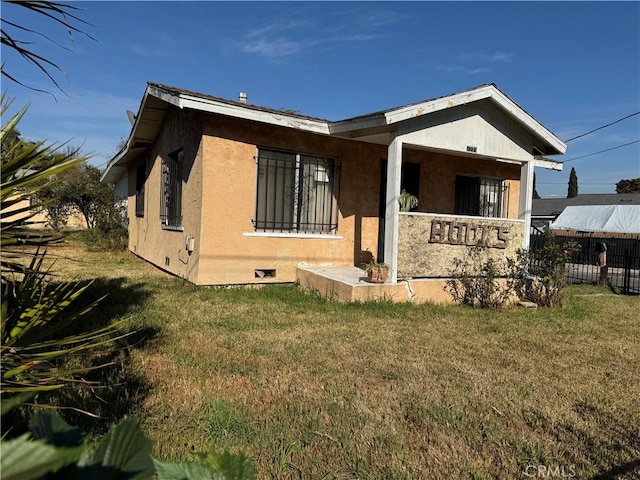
pixel 171 195
pixel 140 183
pixel 481 197
pixel 296 193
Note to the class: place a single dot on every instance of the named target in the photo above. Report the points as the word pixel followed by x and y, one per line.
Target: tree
pixel 535 192
pixel 628 186
pixel 79 189
pixel 573 184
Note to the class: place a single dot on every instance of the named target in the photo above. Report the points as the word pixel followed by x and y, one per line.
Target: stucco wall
pixel 428 244
pixel 147 238
pixel 219 192
pixel 438 179
pixel 37 217
pixel 230 252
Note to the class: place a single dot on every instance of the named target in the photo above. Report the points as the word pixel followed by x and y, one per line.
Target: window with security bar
pixel 171 192
pixel 481 197
pixel 140 181
pixel 296 193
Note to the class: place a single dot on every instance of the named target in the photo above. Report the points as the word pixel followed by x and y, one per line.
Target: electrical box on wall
pixel 189 243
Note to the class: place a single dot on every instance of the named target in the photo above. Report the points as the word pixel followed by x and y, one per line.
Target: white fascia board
pixel 112 172
pixel 283 120
pixel 423 108
pixel 163 95
pixel 548 164
pixel 364 123
pixel 110 175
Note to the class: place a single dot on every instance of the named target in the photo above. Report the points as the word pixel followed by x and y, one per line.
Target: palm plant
pixel 34 309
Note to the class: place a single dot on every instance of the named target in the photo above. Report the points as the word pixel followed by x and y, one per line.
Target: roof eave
pixel 184 100
pixel 548 164
pixel 379 119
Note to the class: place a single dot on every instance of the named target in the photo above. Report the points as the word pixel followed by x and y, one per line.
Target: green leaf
pixel 50 427
pixel 24 459
pixel 232 467
pixel 9 404
pixel 185 471
pixel 123 450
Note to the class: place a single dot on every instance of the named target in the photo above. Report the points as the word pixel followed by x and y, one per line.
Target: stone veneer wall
pixel 428 243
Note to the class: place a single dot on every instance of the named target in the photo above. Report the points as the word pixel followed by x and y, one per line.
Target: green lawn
pixel 316 389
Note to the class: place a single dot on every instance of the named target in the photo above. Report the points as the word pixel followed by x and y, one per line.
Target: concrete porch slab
pixel 348 284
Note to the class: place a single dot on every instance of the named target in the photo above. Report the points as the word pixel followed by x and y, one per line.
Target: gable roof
pixel 551 207
pixel 552 144
pixel 158 98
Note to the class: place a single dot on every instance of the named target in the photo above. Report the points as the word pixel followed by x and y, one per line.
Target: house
pixel 546 210
pixel 224 192
pixel 28 209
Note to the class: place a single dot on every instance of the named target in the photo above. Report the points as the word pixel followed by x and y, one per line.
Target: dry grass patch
pixel 315 389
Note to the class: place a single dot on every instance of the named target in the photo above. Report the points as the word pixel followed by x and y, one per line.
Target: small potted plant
pixel 407 201
pixel 377 272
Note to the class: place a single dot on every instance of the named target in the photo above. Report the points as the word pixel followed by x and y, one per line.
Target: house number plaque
pixel 469 233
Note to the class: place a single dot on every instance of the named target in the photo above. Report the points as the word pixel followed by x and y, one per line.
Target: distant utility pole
pixel 535 192
pixel 573 184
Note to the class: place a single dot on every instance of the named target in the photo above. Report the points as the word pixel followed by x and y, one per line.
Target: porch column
pixel 392 208
pixel 526 199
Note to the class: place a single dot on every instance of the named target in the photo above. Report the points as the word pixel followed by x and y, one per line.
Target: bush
pixel 542 273
pixel 536 275
pixel 479 280
pixel 110 232
pixel 113 240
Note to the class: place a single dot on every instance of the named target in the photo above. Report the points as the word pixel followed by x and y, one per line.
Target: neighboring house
pixel 546 210
pixel 37 216
pixel 224 192
pixel 25 209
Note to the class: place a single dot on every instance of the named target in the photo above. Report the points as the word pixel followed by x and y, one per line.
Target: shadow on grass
pixel 620 471
pixel 105 394
pixel 122 389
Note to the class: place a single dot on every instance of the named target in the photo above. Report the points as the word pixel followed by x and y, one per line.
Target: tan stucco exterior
pixel 219 195
pixel 147 237
pixel 193 159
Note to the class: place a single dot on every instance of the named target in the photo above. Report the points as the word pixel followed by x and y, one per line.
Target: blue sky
pixel 574 66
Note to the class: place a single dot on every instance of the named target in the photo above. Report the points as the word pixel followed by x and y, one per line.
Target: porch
pixel 348 284
pixel 426 248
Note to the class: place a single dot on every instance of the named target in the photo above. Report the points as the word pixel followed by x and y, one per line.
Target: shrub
pixel 36 309
pixel 542 272
pixel 480 281
pixel 537 275
pixel 110 232
pixel 97 239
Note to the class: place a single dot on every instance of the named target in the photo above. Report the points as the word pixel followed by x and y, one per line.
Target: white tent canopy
pixel 600 218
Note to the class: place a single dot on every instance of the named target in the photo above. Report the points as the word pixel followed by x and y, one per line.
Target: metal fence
pixel 622 260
